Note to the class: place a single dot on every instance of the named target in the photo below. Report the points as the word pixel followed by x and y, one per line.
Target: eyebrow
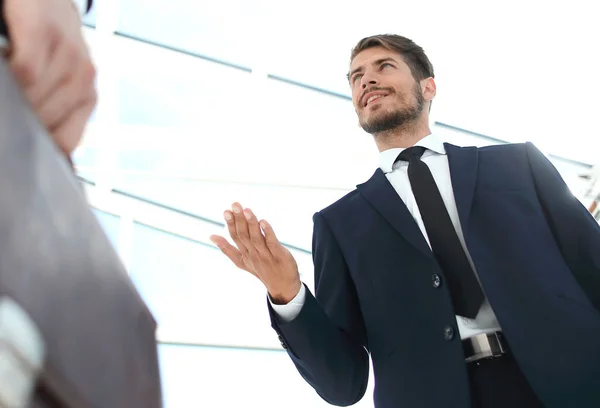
pixel 377 62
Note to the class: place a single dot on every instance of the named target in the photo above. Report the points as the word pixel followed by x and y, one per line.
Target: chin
pixel 384 120
pixel 376 113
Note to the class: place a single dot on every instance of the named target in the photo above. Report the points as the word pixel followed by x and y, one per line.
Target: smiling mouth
pixel 374 98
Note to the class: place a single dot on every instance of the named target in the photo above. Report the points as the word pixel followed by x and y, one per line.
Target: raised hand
pixel 260 253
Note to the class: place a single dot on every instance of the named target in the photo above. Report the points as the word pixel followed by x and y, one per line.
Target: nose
pixel 368 80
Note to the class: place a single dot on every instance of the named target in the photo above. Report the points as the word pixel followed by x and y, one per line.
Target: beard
pixel 396 119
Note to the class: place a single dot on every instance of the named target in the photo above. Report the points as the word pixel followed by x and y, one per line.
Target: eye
pixel 356 77
pixel 386 64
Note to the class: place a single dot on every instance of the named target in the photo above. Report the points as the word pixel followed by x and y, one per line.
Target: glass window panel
pixel 289 210
pixel 140 105
pixel 218 29
pixel 226 123
pixel 111 225
pixel 259 135
pixel 184 90
pixel 85 159
pixel 223 378
pixel 197 295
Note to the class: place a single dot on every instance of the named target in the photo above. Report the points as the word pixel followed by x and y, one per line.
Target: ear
pixel 429 89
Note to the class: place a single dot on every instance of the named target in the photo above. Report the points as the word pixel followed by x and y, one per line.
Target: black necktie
pixel 467 295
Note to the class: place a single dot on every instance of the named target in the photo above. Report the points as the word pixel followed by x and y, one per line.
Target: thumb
pixel 229 250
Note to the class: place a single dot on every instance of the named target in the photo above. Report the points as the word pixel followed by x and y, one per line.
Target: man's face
pixel 384 92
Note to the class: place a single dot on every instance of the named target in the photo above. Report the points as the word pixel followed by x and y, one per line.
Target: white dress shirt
pixel 436 159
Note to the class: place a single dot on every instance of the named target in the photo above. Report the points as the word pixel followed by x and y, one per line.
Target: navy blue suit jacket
pixel 536 250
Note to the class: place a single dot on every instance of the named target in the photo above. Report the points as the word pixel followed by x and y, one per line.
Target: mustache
pixel 373 89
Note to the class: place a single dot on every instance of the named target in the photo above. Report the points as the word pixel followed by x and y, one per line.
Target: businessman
pixel 470 276
pixel 46 51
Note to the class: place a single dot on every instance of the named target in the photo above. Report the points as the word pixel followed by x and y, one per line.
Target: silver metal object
pixel 485 345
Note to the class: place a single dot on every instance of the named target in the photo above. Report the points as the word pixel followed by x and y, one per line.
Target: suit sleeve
pixel 576 232
pixel 327 340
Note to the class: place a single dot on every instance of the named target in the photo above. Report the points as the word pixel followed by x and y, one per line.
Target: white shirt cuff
pixel 81 6
pixel 288 312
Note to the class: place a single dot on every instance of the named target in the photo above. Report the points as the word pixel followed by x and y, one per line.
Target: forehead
pixel 372 55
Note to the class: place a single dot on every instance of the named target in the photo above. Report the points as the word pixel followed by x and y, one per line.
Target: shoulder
pixel 509 152
pixel 340 206
pixel 502 148
pixel 345 208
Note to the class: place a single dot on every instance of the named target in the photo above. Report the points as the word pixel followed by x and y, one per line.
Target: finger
pixel 61 68
pixel 271 239
pixel 69 132
pixel 229 250
pixel 231 227
pixel 65 96
pixel 256 236
pixel 241 227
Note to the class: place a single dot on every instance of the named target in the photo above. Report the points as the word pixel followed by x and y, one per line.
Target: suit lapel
pixel 463 162
pixel 380 193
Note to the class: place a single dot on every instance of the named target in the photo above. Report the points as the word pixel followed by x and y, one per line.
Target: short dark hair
pixel 413 55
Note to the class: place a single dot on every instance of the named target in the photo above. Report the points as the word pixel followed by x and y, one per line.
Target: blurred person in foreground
pixel 74 331
pixel 470 276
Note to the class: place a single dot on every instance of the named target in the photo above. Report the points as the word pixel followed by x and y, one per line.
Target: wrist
pixel 285 296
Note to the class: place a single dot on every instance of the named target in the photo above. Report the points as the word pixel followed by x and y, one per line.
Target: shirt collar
pixel 388 157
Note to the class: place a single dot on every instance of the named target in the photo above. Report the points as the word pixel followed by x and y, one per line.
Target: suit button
pixel 448 333
pixel 436 281
pixel 282 342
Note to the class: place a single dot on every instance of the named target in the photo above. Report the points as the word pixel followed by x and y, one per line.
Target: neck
pixel 403 136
